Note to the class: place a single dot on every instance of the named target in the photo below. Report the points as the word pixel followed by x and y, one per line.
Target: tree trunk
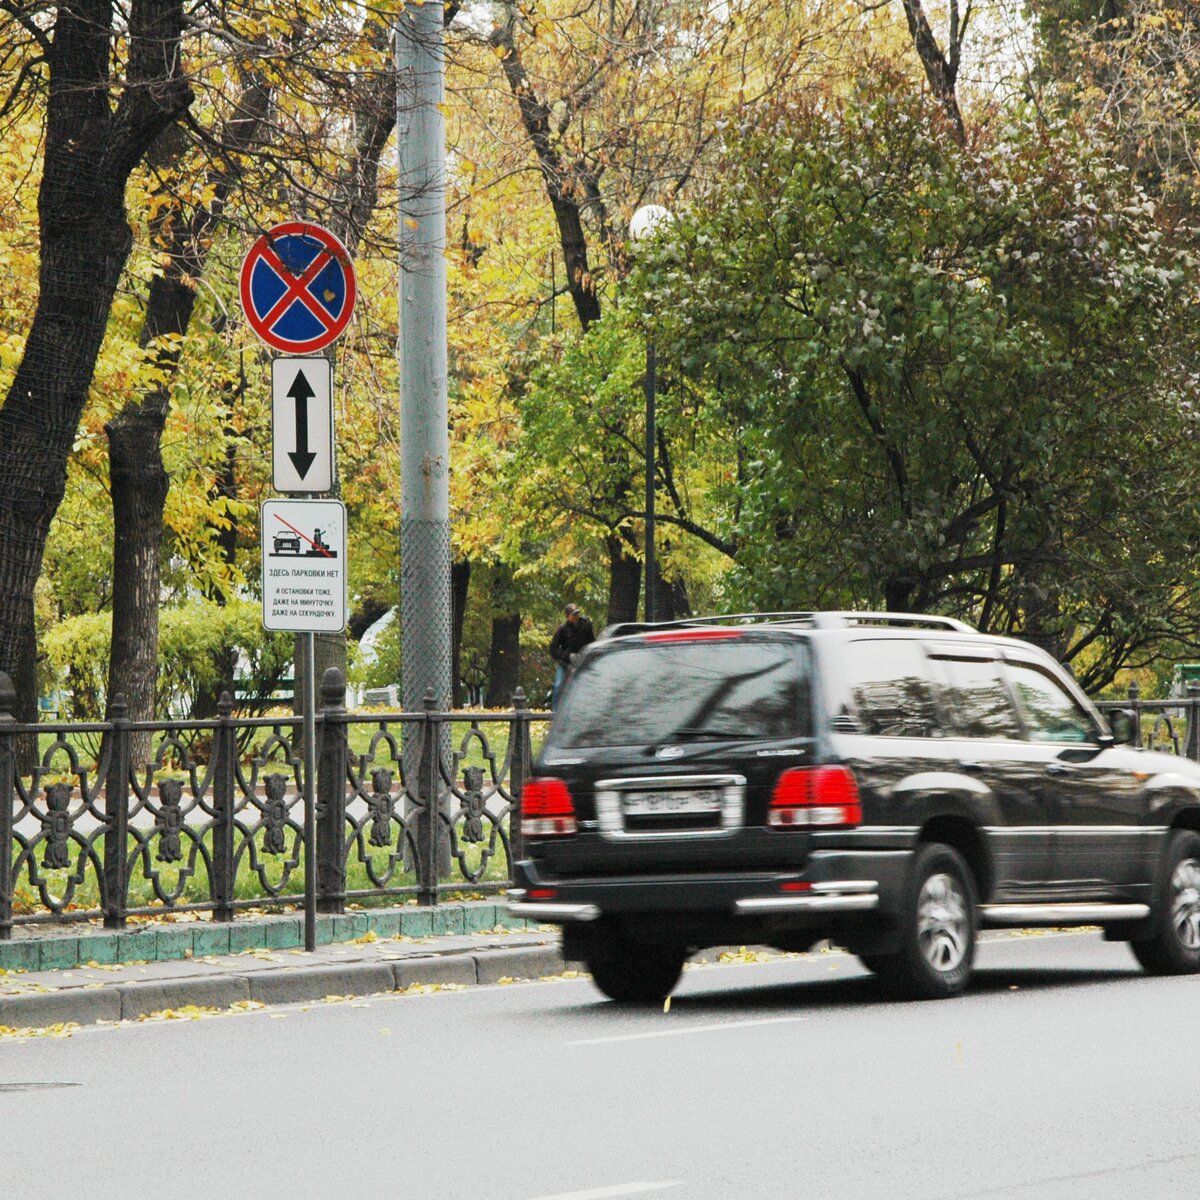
pixel 460 580
pixel 138 484
pixel 91 148
pixel 897 594
pixel 504 661
pixel 941 69
pixel 624 580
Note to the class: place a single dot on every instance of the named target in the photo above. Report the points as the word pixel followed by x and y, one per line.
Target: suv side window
pixel 1050 713
pixel 890 688
pixel 975 699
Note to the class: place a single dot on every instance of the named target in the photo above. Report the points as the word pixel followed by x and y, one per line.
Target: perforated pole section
pixel 425 610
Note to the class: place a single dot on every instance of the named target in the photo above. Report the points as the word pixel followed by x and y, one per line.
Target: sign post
pixel 298 288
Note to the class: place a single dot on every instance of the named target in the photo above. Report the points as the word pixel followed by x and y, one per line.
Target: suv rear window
pixel 889 686
pixel 644 693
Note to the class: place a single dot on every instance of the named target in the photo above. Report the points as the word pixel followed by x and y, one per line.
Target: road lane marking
pixel 637 1037
pixel 621 1189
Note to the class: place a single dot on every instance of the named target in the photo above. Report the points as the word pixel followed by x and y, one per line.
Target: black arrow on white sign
pixel 301 391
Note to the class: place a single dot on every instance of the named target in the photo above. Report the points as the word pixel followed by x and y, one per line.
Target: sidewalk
pixel 64 987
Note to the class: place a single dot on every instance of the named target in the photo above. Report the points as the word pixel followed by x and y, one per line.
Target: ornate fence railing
pixel 1172 726
pixel 409 805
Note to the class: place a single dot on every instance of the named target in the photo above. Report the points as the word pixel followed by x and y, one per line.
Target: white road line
pixel 621 1189
pixel 637 1037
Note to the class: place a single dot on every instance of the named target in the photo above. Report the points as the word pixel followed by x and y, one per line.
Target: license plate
pixel 666 804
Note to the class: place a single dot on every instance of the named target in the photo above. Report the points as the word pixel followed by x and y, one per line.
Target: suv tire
pixel 635 972
pixel 1173 947
pixel 937 931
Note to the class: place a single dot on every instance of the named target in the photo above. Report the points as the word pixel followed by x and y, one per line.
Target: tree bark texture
pixel 90 149
pixel 624 580
pixel 139 490
pixel 941 69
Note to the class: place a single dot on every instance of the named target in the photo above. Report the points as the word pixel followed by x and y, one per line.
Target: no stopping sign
pixel 298 288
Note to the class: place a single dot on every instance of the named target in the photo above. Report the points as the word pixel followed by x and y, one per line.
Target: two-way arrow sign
pixel 302 424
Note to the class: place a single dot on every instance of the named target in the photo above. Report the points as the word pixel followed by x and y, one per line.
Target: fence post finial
pixel 333 688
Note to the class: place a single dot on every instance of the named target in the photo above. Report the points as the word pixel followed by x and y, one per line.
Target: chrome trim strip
pixel 1123 830
pixel 761 904
pixel 1019 914
pixel 514 894
pixel 847 885
pixel 627 783
pixel 555 912
pixel 611 819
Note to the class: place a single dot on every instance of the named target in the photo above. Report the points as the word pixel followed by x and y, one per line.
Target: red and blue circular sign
pixel 298 288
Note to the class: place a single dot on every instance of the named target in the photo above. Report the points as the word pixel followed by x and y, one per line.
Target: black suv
pixel 890 782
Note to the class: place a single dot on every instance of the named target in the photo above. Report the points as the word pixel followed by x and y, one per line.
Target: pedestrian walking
pixel 568 640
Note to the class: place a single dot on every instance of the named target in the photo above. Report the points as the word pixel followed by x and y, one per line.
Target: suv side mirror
pixel 1123 724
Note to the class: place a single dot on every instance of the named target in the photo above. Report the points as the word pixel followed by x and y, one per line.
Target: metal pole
pixel 425 614
pixel 310 794
pixel 650 460
pixel 424 428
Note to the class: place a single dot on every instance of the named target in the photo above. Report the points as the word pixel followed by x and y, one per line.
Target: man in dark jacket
pixel 568 640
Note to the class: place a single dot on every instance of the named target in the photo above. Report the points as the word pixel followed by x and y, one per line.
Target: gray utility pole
pixel 424 436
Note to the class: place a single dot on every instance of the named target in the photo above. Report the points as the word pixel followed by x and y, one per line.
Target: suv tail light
pixel 815 797
pixel 547 809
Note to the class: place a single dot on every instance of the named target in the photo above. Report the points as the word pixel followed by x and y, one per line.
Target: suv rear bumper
pixel 835 884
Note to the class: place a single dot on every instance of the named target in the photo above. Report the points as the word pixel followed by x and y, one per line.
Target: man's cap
pixel 571 609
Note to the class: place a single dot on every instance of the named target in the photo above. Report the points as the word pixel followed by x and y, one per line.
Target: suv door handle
pixel 970 764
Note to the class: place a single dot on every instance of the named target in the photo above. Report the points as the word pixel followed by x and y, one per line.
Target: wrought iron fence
pixel 1172 726
pixel 411 805
pixel 408 805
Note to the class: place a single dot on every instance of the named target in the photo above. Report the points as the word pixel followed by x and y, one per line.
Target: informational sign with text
pixel 304 566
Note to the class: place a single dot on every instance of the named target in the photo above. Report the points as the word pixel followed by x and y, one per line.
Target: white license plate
pixel 666 804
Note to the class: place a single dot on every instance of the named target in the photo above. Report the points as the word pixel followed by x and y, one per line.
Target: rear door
pixel 985 741
pixel 891 738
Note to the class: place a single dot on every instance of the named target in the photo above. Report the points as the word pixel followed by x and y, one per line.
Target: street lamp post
pixel 643 224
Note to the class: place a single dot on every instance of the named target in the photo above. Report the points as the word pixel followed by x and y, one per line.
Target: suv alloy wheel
pixel 1173 947
pixel 938 932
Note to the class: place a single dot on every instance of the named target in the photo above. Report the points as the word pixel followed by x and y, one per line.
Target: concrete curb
pixel 59 947
pixel 287 985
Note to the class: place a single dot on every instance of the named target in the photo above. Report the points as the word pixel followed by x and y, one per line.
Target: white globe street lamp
pixel 649 220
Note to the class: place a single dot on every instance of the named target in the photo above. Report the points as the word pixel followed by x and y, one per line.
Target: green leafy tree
pixel 961 381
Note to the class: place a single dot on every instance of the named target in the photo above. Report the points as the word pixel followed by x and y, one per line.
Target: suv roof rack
pixel 808 620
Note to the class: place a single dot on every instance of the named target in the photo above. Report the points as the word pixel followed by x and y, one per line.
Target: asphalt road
pixel 1064 1073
